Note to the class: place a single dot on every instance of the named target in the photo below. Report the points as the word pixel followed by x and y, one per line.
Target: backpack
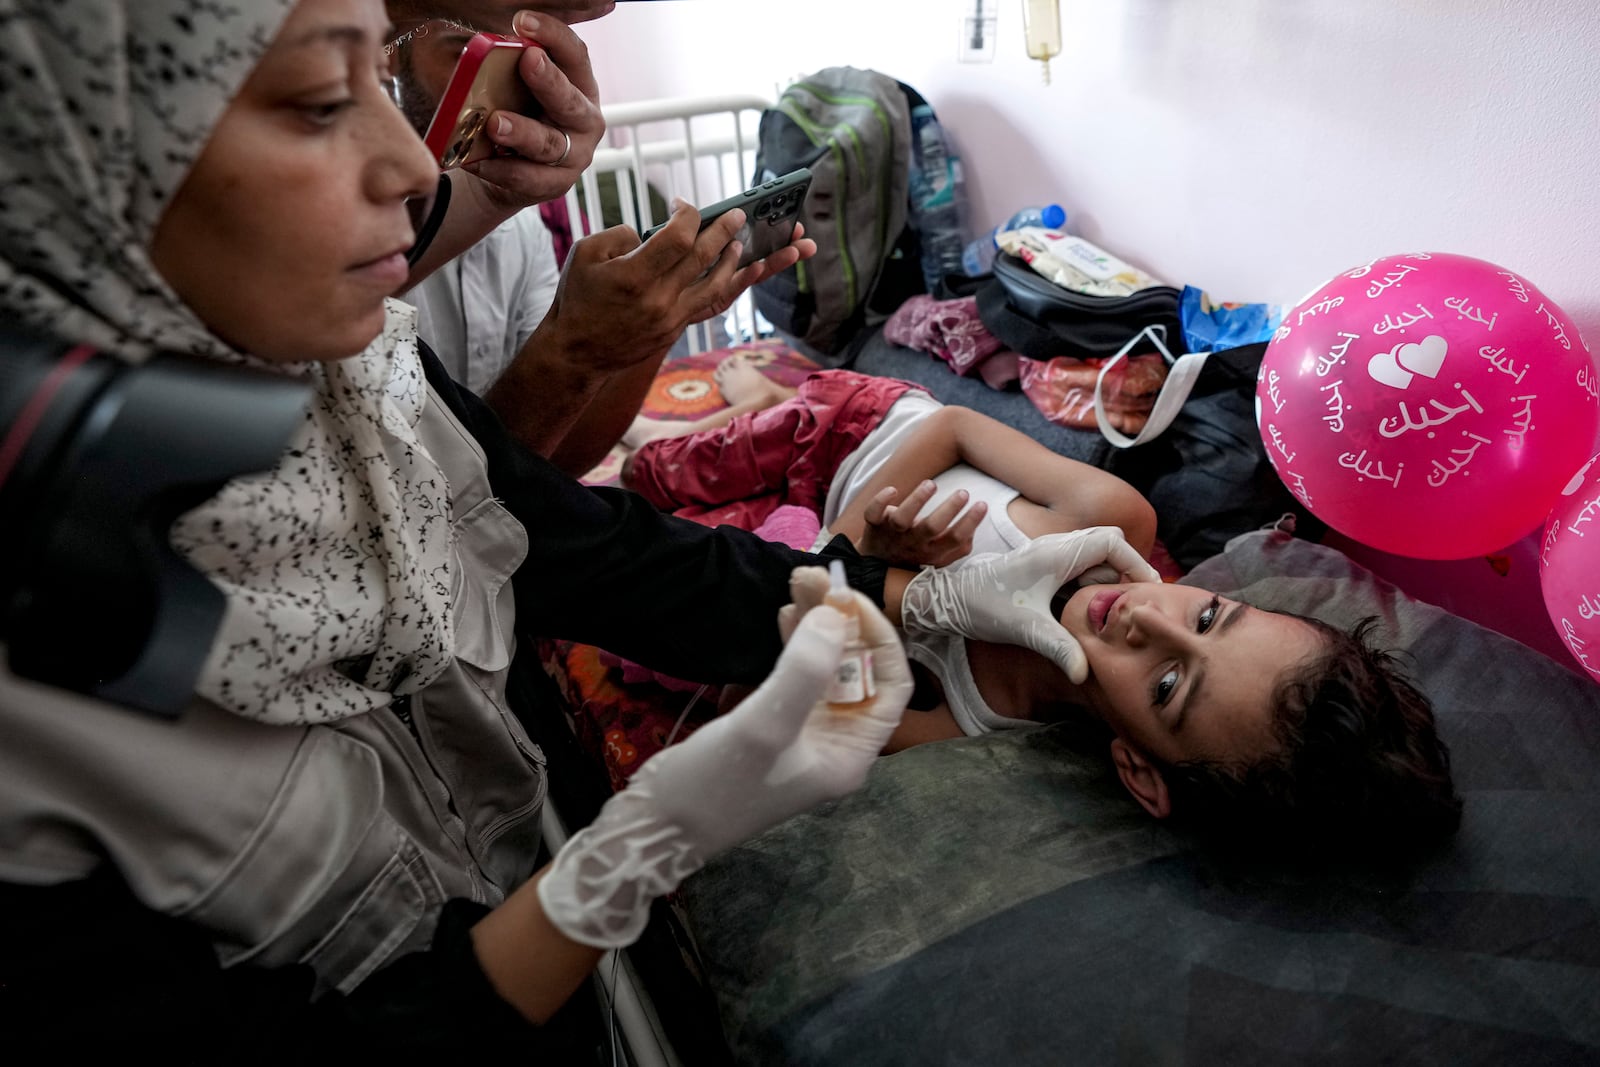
pixel 852 128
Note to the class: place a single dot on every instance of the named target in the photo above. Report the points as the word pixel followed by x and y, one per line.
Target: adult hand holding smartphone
pixel 486 80
pixel 770 213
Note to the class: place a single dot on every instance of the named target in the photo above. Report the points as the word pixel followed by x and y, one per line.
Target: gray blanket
pixel 999 900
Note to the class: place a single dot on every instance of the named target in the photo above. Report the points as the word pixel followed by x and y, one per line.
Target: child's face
pixel 292 228
pixel 1182 674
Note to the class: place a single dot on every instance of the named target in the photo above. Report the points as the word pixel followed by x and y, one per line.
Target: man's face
pixel 1182 674
pixel 423 62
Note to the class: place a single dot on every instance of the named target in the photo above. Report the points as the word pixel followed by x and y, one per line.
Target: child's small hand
pixel 899 534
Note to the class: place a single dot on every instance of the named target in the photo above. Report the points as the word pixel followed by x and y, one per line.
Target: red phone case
pixel 486 80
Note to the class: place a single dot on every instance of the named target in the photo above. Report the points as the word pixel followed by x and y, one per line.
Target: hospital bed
pixel 997 900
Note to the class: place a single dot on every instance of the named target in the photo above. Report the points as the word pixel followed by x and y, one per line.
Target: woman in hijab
pixel 333 849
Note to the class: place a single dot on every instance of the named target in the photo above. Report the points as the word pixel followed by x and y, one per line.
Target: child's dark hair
pixel 1358 767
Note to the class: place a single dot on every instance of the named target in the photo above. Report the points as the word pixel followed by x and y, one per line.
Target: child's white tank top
pixel 946 656
pixel 996 533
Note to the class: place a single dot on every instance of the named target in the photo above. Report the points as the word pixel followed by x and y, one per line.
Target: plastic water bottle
pixel 936 197
pixel 978 257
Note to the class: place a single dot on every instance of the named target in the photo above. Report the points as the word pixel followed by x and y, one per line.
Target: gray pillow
pixel 1000 900
pixel 1496 700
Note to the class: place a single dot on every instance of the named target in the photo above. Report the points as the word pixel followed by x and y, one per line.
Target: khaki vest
pixel 327 845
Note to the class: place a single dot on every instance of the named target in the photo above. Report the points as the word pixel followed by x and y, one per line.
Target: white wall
pixel 1251 147
pixel 1254 148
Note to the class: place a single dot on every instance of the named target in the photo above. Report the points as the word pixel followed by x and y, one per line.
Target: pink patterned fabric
pixel 740 474
pixel 949 329
pixel 792 525
pixel 554 214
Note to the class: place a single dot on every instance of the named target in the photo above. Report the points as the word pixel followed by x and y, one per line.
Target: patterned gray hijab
pixel 337 565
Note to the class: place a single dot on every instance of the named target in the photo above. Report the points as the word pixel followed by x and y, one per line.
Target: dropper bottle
pixel 853 686
pixel 1041 26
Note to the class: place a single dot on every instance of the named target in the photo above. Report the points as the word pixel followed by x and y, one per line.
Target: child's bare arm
pixel 1058 494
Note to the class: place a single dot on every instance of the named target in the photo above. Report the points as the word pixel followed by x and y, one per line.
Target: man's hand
pixel 487 193
pixel 576 10
pixel 546 163
pixel 578 381
pixel 621 302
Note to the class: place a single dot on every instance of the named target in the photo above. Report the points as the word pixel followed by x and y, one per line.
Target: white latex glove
pixel 1006 597
pixel 780 752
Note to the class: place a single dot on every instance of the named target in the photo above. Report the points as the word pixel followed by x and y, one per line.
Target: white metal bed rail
pixel 701 148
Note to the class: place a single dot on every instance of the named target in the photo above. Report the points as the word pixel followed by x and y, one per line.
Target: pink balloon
pixel 1569 567
pixel 1429 405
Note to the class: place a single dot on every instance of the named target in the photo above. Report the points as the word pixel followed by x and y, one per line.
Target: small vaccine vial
pixel 1041 26
pixel 853 686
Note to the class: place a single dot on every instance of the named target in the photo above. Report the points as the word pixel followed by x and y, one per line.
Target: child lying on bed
pixel 843 442
pixel 1232 715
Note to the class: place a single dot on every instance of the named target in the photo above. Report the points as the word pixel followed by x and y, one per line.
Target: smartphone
pixel 485 81
pixel 770 211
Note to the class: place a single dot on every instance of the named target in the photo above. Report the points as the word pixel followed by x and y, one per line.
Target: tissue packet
pixel 1074 263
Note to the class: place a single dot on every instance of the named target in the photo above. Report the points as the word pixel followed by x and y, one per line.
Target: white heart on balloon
pixel 1397 366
